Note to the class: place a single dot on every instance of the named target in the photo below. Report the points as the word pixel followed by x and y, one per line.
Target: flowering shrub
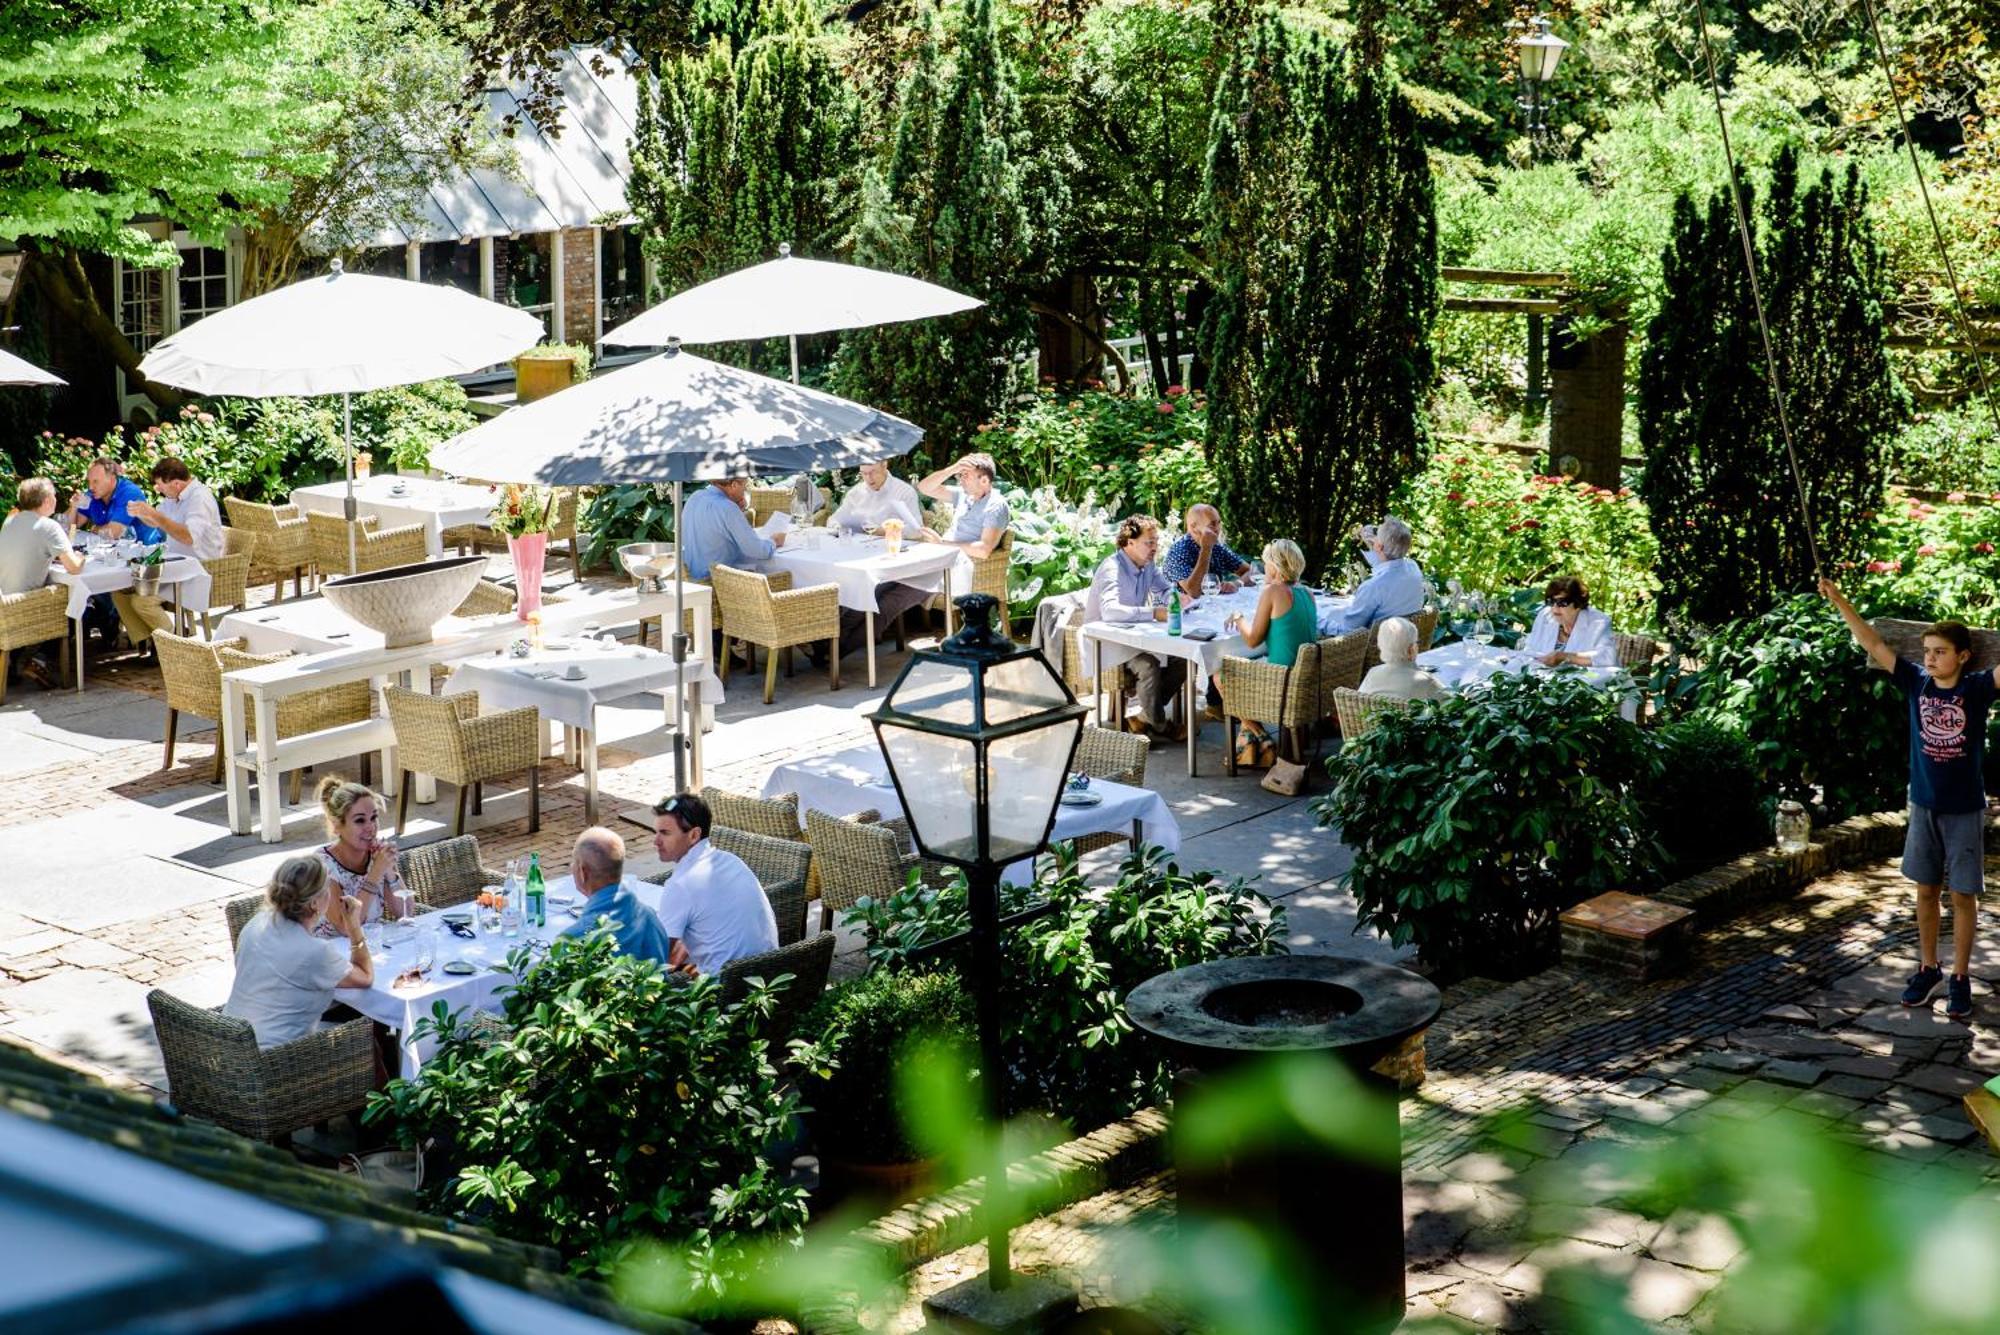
pixel 1932 561
pixel 1484 520
pixel 1138 454
pixel 201 439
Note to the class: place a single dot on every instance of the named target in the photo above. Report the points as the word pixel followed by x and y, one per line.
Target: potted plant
pixel 522 517
pixel 541 371
pixel 866 1029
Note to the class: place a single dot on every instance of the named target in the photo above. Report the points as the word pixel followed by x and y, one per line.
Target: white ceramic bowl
pixel 405 603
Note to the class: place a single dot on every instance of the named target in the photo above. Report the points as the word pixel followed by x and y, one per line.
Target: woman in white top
pixel 1397 674
pixel 1569 630
pixel 285 972
pixel 358 861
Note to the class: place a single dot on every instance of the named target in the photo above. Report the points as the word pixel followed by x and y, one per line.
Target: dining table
pixel 396 500
pixel 107 568
pixel 842 783
pixel 1463 664
pixel 857 562
pixel 1106 644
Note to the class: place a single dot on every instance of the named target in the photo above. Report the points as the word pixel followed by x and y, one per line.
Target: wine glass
pixel 1482 630
pixel 426 950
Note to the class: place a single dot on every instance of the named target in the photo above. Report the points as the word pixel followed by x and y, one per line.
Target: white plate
pixel 1086 798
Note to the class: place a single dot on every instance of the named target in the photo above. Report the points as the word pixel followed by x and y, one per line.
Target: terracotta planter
pixel 539 377
pixel 886 1184
pixel 530 552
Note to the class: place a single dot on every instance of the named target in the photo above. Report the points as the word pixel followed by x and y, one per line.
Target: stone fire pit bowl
pixel 405 603
pixel 1214 1014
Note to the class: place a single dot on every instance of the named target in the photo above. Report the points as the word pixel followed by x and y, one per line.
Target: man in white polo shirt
pixel 188 515
pixel 712 907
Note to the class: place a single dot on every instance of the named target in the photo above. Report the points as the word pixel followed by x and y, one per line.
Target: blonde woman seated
pixel 1569 630
pixel 285 971
pixel 357 859
pixel 1285 619
pixel 1398 675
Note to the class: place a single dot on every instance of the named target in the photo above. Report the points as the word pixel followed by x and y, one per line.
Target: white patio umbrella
pixel 675 418
pixel 19 371
pixel 341 333
pixel 787 297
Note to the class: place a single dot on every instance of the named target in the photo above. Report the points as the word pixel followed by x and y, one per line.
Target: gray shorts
pixel 1947 849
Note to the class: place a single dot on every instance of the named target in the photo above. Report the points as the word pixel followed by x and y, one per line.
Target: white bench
pixel 256 692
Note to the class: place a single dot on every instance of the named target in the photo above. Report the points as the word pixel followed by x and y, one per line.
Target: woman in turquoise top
pixel 1286 618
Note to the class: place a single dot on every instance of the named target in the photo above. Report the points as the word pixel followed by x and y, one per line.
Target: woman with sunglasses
pixel 1569 630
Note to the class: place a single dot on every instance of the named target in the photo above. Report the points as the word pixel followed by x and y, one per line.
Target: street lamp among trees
pixel 1539 51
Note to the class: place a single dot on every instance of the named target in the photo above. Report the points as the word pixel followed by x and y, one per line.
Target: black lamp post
pixel 979 734
pixel 1540 51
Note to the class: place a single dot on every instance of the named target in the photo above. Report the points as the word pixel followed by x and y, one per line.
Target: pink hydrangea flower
pixel 1928 549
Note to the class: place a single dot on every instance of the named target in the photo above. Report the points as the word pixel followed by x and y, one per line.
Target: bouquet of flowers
pixel 523 510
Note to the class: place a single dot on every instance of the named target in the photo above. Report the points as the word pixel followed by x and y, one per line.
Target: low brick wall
pixel 1757 878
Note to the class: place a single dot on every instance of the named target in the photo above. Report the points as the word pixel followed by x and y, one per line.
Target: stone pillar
pixel 579 279
pixel 1587 403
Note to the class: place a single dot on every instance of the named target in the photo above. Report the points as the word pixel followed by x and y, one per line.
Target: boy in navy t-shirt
pixel 1946 846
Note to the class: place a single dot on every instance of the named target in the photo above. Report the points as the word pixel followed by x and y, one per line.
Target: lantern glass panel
pixel 1026 773
pixel 939 778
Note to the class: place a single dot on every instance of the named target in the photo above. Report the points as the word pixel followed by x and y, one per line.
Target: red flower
pixel 1983 548
pixel 1455 496
pixel 1165 407
pixel 1531 523
pixel 1530 498
pixel 1175 391
pixel 1928 549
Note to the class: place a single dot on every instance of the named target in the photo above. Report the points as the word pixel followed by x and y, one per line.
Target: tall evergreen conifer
pixel 1322 240
pixel 1718 483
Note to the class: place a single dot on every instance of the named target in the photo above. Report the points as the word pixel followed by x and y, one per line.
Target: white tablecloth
pixel 189 583
pixel 310 626
pixel 481 990
pixel 1120 640
pixel 858 564
pixel 857 779
pixel 506 682
pixel 436 504
pixel 1463 663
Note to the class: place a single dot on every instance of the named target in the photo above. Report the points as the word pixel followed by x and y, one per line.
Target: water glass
pixel 371 936
pixel 426 949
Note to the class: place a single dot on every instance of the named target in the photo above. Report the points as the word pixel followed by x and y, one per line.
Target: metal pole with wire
pixel 1756 289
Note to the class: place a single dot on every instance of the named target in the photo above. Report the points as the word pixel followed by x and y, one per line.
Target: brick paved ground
pixel 1794 1006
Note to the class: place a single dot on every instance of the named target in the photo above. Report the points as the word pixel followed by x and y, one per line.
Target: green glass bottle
pixel 1174 610
pixel 538 894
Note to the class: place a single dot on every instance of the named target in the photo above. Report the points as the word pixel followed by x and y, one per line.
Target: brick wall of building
pixel 579 285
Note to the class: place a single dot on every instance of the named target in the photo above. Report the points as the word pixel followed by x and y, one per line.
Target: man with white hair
pixel 1398 675
pixel 597 866
pixel 1201 552
pixel 1396 589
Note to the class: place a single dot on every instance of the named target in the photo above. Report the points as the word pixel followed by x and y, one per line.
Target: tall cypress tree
pixel 1322 241
pixel 1717 480
pixel 952 205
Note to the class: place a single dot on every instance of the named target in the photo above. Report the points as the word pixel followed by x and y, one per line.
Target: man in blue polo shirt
pixel 106 506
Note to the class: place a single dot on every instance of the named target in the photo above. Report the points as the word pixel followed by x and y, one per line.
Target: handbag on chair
pixel 1286 778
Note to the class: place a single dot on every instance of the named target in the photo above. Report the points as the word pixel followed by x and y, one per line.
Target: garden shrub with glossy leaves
pixel 1065 974
pixel 1476 819
pixel 620 1108
pixel 1931 561
pixel 863 1030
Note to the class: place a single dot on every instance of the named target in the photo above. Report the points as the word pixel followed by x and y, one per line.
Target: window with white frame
pixel 142 305
pixel 203 284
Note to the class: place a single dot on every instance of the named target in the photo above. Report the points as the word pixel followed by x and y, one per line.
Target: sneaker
pixel 1958 1003
pixel 37 672
pixel 1922 983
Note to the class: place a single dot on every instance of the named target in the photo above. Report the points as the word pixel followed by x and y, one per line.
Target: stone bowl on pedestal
pixel 405 603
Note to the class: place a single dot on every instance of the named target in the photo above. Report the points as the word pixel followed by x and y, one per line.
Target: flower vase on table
pixel 530 552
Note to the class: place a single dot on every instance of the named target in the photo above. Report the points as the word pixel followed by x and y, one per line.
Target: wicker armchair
pixel 773 817
pixel 1256 689
pixel 447 736
pixel 278 539
pixel 374 548
pixel 446 872
pixel 780 866
pixel 857 859
pixel 1078 672
pixel 229 577
pixel 215 1070
pixel 1426 623
pixel 754 614
pixel 1343 661
pixel 807 963
pixel 1635 651
pixel 1117 756
pixel 1358 713
pixel 237 912
pixel 989 573
pixel 31 618
pixel 192 672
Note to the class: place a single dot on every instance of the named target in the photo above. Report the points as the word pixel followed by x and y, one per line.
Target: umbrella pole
pixel 347 455
pixel 680 643
pixel 795 359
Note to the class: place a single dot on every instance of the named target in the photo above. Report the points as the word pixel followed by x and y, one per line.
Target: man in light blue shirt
pixel 1396 589
pixel 716 531
pixel 597 866
pixel 1127 587
pixel 979 518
